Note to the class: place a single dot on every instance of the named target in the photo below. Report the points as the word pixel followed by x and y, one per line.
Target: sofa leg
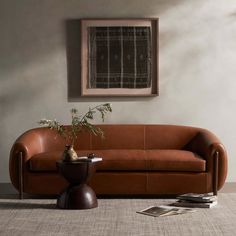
pixel 215 172
pixel 20 171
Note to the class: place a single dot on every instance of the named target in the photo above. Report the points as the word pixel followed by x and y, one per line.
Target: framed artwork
pixel 119 57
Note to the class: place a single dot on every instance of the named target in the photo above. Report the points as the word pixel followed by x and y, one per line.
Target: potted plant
pixel 78 123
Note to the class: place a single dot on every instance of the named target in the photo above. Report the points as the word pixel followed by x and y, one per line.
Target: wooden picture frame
pixel 119 57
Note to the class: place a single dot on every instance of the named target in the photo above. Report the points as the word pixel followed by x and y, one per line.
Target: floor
pixel 40 217
pixel 7 191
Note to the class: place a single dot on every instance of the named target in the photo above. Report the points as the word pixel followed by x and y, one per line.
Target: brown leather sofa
pixel 137 159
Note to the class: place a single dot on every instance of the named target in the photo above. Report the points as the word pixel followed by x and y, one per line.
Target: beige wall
pixel 197 66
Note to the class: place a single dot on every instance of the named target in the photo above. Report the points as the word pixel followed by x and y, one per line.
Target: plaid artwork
pixel 119 57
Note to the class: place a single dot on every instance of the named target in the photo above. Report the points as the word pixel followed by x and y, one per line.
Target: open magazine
pixel 157 211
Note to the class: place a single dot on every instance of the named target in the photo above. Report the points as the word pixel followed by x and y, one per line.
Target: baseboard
pixel 8 188
pixel 229 187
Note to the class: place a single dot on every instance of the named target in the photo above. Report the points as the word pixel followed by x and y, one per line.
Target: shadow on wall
pixel 73 51
pixel 233 14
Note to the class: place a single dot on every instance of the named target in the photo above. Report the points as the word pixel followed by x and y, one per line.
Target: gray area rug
pixel 113 217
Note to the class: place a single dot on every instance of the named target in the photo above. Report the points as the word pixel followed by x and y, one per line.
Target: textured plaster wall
pixel 197 66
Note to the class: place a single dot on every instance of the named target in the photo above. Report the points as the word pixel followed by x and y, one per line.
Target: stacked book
pixel 88 159
pixel 196 200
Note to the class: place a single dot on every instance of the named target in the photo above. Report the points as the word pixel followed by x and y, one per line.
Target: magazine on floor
pixel 186 203
pixel 207 197
pixel 157 211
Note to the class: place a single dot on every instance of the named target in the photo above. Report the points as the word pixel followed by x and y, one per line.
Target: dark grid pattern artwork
pixel 120 57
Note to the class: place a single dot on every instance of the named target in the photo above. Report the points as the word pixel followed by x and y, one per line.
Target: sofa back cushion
pixel 143 137
pixel 52 141
pixel 120 137
pixel 168 136
pixel 126 137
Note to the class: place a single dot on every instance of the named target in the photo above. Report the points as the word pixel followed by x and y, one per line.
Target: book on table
pixel 157 211
pixel 86 159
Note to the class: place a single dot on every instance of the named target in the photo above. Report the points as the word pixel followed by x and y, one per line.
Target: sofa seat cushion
pixel 150 160
pixel 175 160
pixel 113 160
pixel 128 160
pixel 122 160
pixel 46 161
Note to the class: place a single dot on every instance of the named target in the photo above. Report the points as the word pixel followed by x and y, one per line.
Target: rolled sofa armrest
pixel 30 143
pixel 26 146
pixel 207 145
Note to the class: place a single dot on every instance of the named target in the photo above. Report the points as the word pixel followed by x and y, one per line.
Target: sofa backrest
pixel 143 137
pixel 123 137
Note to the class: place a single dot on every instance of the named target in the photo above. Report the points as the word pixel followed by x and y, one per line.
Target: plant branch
pixel 78 122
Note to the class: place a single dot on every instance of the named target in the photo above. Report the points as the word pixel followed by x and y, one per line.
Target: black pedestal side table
pixel 78 195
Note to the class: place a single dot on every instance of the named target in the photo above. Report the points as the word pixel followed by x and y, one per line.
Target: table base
pixel 77 197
